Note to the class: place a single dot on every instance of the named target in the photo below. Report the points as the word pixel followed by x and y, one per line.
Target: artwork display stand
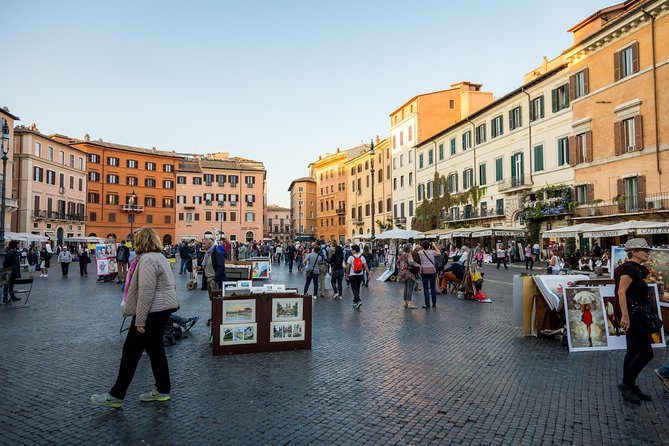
pixel 259 329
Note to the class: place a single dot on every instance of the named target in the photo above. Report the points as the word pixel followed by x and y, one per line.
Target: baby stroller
pixel 192 269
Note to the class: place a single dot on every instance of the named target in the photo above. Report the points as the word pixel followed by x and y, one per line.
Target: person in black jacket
pixel 337 272
pixel 12 260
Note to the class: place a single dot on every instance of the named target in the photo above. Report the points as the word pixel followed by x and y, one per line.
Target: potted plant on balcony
pixel 592 210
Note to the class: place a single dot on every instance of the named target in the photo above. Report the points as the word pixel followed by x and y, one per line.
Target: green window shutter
pixel 554 94
pixel 536 101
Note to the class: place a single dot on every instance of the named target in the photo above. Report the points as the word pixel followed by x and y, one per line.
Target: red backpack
pixel 357 264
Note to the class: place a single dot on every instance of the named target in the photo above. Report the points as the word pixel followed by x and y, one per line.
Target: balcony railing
pixel 63 216
pixel 625 205
pixel 37 214
pixel 475 214
pixel 358 222
pixel 515 183
pixel 341 211
pixel 132 208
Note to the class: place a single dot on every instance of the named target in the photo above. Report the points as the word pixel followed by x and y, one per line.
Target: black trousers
pixel 83 267
pixel 135 344
pixel 356 281
pixel 65 268
pixel 639 352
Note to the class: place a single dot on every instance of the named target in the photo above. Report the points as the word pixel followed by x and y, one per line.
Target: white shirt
pixel 350 262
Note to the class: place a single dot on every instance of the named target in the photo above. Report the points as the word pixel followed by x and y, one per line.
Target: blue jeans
pixel 184 266
pixel 664 370
pixel 310 277
pixel 429 288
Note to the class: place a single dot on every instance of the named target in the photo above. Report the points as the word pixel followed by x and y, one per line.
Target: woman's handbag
pixel 648 318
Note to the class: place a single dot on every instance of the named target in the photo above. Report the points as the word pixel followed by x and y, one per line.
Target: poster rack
pixel 254 323
pixel 105 260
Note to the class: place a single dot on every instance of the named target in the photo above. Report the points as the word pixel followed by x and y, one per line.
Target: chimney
pixel 87 137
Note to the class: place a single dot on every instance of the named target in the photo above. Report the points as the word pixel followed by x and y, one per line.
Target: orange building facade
pixel 115 173
pixel 303 200
pixel 620 144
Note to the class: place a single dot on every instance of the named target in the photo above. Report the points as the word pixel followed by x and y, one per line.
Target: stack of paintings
pixel 239 322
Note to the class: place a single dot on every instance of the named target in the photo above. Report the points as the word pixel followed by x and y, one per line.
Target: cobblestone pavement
pixel 460 374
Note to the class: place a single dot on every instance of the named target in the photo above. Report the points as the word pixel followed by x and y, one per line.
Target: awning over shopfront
pixel 84 240
pixel 25 237
pixel 628 227
pixel 499 232
pixel 572 231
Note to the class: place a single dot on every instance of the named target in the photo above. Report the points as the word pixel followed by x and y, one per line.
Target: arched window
pixel 111 236
pixel 167 239
pixel 249 236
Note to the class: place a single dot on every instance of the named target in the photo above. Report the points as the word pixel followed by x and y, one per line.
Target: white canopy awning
pixel 84 240
pixel 401 234
pixel 572 231
pixel 628 227
pixel 25 237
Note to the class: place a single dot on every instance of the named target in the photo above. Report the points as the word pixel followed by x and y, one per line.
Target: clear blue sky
pixel 277 81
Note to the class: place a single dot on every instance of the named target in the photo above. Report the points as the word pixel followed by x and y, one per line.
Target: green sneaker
pixel 153 395
pixel 105 399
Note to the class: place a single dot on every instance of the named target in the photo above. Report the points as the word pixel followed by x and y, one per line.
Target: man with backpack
pixel 356 266
pixel 122 258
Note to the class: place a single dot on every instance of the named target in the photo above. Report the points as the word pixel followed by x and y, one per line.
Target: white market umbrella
pixel 623 228
pixel 401 234
pixel 572 231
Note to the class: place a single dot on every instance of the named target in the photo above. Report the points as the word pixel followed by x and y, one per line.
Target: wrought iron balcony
pixel 132 208
pixel 648 204
pixel 515 184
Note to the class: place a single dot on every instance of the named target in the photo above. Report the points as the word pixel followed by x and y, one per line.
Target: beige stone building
pixel 303 208
pixel 417 119
pixel 51 181
pixel 360 180
pixel 11 191
pixel 220 193
pixel 277 226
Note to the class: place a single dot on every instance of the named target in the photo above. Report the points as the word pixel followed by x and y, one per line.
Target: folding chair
pixel 22 286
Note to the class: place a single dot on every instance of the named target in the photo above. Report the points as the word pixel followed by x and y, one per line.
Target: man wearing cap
pixel 632 296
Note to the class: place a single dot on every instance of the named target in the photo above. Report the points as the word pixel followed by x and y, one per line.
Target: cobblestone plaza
pixel 460 374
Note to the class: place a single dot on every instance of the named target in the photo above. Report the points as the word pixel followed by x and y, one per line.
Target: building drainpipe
pixel 529 127
pixel 657 128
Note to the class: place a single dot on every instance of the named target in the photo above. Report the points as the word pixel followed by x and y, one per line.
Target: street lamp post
pixel 133 198
pixel 372 153
pixel 220 216
pixel 299 216
pixel 5 152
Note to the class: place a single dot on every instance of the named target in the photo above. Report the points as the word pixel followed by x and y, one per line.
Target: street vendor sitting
pixel 454 274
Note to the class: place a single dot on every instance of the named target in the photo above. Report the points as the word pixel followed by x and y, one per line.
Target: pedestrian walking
pixel 529 262
pixel 428 272
pixel 337 272
pixel 12 261
pixel 84 260
pixel 408 270
pixel 122 256
pixel 356 265
pixel 64 258
pixel 33 261
pixel 150 297
pixel 312 268
pixel 45 262
pixel 501 256
pixel 632 295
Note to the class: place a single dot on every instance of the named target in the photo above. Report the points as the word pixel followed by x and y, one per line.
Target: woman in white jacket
pixel 150 297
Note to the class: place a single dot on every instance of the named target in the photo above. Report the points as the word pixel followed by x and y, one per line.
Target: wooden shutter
pixel 635 57
pixel 641 191
pixel 638 133
pixel 621 192
pixel 618 137
pixel 554 96
pixel 572 151
pixel 616 66
pixel 590 193
pixel 588 147
pixel 531 111
pixel 572 87
pixel 511 120
pixel 520 117
pixel 586 81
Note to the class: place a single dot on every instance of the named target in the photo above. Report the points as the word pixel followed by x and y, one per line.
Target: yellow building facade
pixel 362 173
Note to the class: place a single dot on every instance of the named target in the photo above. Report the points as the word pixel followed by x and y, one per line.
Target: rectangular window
pixel 168 168
pixel 480 134
pixel 467 140
pixel 168 219
pixel 168 184
pixel 149 218
pixel 499 206
pixel 497 126
pixel 132 164
pixel 208 179
pixel 410 133
pixel 93 197
pixel 112 161
pixel 499 169
pixel 150 202
pixel 93 217
pixel 131 181
pixel 430 157
pixel 81 184
pixel 150 166
pixel 61 157
pixel 410 208
pixel 483 180
pixel 72 161
pixel 410 178
pixel 578 83
pixel 420 161
pixel 581 148
pixel 467 179
pixel 560 97
pixel 81 163
pixel 149 182
pixel 537 108
pixel 181 180
pixel 562 151
pixel 452 183
pixel 50 153
pixel 582 194
pixel 453 150
pixel 112 199
pixel 112 179
pixel 93 158
pixel 112 217
pixel 628 62
pixel 197 199
pixel 538 158
pixel 628 135
pixel 514 118
pixel 197 181
pixel 71 182
pixel 401 160
pixel 441 152
pixel 250 216
pixel 168 202
pixel 38 150
pixel 181 199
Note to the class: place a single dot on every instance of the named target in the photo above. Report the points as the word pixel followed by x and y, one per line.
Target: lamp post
pixel 220 216
pixel 5 152
pixel 372 153
pixel 299 217
pixel 133 198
